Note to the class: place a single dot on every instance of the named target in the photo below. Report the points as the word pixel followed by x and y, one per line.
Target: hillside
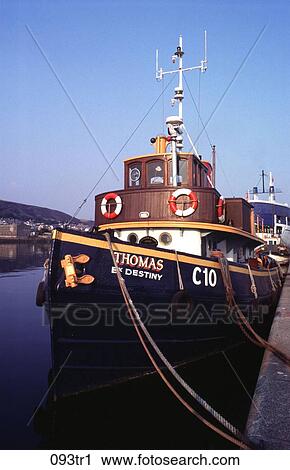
pixel 15 210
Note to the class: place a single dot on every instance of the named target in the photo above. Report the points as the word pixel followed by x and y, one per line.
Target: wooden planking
pixel 155 201
pixel 238 210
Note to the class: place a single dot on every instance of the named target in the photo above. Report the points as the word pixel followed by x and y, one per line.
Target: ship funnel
pixel 160 143
pixel 271 188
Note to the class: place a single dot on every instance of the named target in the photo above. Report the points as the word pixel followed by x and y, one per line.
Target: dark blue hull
pixel 93 339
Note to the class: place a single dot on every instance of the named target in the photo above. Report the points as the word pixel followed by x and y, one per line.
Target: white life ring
pixel 118 202
pixel 183 192
pixel 221 210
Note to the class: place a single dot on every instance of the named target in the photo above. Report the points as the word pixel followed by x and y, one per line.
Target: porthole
pixel 132 238
pixel 165 238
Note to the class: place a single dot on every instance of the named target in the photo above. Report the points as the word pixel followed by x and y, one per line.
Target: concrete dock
pixel 268 425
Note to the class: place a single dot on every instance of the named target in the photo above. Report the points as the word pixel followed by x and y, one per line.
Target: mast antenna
pixel 177 56
pixel 175 123
pixel 204 61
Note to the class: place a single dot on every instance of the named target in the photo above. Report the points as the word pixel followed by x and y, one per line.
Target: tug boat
pixel 168 229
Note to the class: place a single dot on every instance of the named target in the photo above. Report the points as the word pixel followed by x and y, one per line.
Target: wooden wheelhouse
pixel 169 198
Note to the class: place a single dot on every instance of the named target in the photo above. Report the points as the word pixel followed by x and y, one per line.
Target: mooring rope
pixel 136 320
pixel 253 284
pixel 180 281
pixel 280 276
pixel 274 287
pixel 280 273
pixel 245 325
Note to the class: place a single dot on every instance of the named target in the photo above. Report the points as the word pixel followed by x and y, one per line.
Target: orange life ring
pixel 118 202
pixel 221 210
pixel 183 192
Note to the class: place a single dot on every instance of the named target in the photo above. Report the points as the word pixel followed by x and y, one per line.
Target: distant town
pixel 11 229
pixel 20 222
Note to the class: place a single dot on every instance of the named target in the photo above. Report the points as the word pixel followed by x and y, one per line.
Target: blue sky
pixel 104 54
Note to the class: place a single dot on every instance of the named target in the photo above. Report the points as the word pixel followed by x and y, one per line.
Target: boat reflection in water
pixel 80 413
pixel 86 354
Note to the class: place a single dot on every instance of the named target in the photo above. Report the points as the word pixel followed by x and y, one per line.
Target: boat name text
pixel 137 273
pixel 138 261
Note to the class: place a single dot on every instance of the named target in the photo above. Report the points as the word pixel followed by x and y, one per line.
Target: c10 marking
pixel 205 276
pixel 70 459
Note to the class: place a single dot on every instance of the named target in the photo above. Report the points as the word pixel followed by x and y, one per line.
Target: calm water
pixel 140 414
pixel 24 343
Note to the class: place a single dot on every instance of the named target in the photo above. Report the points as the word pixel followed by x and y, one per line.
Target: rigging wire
pixel 190 141
pixel 232 80
pixel 259 181
pixel 259 36
pixel 163 108
pixel 204 125
pixel 80 116
pixel 121 149
pixel 198 113
pixel 207 135
pixel 225 176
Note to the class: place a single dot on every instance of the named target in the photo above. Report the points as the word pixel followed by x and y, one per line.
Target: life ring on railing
pixel 183 192
pixel 221 210
pixel 117 200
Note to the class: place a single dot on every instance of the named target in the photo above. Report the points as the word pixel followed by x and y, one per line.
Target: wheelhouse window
pixel 155 172
pixel 182 171
pixel 135 175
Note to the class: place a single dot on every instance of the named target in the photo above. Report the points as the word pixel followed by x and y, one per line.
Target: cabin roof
pixel 166 154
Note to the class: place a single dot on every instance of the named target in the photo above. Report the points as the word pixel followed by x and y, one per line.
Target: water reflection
pixel 79 413
pixel 20 256
pixel 143 413
pixel 140 413
pixel 24 343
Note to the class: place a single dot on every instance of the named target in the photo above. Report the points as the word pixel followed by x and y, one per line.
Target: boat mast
pixel 179 90
pixel 175 123
pixel 213 165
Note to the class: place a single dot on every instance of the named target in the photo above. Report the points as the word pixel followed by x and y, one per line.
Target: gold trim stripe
pixel 180 224
pixel 71 238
